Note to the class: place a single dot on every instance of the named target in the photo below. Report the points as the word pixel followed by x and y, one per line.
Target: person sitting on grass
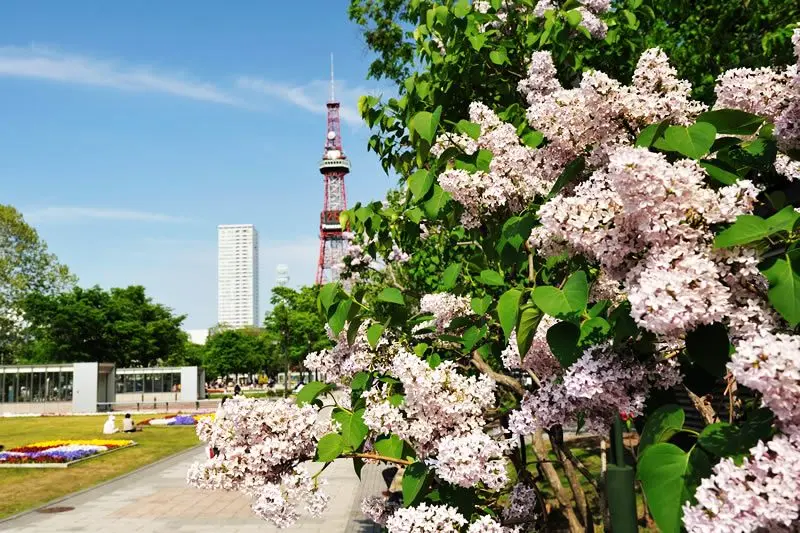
pixel 109 427
pixel 127 424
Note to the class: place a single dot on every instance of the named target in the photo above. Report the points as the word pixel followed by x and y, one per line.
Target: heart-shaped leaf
pixel 694 141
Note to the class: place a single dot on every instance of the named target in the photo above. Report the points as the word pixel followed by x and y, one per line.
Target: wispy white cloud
pixel 81 214
pixel 36 62
pixel 311 96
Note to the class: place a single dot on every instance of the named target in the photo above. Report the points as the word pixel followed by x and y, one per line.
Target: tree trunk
pixel 551 475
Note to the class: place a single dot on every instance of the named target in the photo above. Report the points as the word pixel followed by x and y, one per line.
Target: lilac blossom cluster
pixel 426 518
pixel 441 416
pixel 345 359
pixel 647 222
pixel 761 494
pixel 259 446
pixel 445 307
pixel 516 174
pixel 539 359
pixel 768 92
pixel 599 385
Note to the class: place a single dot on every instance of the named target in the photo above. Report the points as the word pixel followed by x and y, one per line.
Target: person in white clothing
pixel 127 424
pixel 109 427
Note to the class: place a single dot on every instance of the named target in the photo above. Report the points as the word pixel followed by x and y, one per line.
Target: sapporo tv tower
pixel 334 167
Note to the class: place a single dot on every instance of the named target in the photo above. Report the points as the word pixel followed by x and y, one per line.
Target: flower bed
pixel 177 420
pixel 59 453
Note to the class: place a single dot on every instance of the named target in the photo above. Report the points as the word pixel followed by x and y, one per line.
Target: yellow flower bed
pixel 89 442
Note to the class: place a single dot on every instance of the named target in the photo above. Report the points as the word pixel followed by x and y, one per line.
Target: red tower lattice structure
pixel 334 167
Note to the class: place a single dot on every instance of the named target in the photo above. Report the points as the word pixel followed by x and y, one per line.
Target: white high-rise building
pixel 237 275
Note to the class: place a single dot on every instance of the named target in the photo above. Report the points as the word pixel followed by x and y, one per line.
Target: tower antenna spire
pixel 333 97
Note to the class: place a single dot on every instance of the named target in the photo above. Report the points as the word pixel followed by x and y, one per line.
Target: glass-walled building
pixel 148 380
pixel 36 383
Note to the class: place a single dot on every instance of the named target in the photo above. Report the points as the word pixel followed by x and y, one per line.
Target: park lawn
pixel 24 488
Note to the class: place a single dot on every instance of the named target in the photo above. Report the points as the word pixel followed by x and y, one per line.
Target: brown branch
pixel 549 472
pixel 376 457
pixel 703 407
pixel 502 379
pixel 581 467
pixel 572 478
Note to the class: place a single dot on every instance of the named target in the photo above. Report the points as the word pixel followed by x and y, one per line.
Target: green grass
pixel 24 488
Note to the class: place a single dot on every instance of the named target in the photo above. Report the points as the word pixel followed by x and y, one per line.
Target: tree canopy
pixel 121 325
pixel 26 267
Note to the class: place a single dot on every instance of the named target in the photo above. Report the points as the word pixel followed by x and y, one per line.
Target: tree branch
pixel 502 379
pixel 376 457
pixel 703 407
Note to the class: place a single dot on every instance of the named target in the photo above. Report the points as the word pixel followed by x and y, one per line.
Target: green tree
pixel 26 267
pixel 234 351
pixel 122 326
pixel 294 326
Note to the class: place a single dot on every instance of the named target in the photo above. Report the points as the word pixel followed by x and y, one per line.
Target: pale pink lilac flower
pixel 539 359
pixel 770 364
pixel 425 518
pixel 378 509
pixel 445 307
pixel 260 444
pixel 473 458
pixel 487 524
pixel 522 504
pixel 593 24
pixel 762 494
pixel 789 168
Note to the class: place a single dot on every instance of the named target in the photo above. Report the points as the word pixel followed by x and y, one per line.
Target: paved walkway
pixel 157 499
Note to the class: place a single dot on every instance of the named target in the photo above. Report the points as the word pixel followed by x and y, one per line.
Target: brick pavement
pixel 157 500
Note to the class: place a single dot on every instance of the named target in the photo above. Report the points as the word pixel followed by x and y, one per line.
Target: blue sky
pixel 129 130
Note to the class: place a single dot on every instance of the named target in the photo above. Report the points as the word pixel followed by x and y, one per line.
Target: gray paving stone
pixel 157 500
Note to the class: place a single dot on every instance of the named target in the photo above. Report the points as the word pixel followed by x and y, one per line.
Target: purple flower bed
pixel 182 420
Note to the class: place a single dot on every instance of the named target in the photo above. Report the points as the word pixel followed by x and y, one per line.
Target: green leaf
pixel 507 309
pixel 708 347
pixel 461 9
pixel 694 141
pixel 358 465
pixel 661 425
pixel 450 276
pixel 563 341
pixel 594 330
pixel 391 295
pixel 374 333
pixel 499 56
pixel 574 18
pixel 648 136
pixel 469 128
pixel 354 430
pixel 746 229
pixel 434 360
pixel 528 323
pixel 784 220
pixel 570 172
pixel 328 294
pixel 533 138
pixel 329 447
pixel 437 200
pixel 425 124
pixel 732 121
pixel 490 277
pixel 552 300
pixel 669 478
pixel 339 317
pixel 784 290
pixel 415 478
pixel 727 440
pixel 391 446
pixel 719 174
pixel 396 400
pixel 310 391
pixel 481 305
pixel 483 159
pixel 419 183
pixel 576 290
